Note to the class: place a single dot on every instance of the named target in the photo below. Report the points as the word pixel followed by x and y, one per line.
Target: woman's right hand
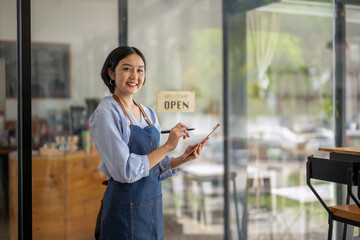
pixel 178 131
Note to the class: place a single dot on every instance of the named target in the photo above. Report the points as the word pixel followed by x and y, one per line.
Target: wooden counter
pixel 67 192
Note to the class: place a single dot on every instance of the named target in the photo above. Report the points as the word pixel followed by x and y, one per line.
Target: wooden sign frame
pixel 176 101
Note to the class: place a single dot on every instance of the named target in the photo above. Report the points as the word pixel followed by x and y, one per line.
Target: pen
pixel 168 131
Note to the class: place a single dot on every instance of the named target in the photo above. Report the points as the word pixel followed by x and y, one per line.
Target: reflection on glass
pixel 183 45
pixel 8 120
pixel 66 60
pixel 352 76
pixel 281 111
pixel 289 93
pixel 286 115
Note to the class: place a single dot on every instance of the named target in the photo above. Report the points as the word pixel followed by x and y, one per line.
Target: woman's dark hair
pixel 114 58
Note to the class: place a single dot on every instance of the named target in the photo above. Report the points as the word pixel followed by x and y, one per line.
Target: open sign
pixel 176 101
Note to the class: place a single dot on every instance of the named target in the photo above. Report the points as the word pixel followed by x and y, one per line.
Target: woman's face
pixel 129 75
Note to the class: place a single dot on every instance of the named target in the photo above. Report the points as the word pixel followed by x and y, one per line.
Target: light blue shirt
pixel 110 130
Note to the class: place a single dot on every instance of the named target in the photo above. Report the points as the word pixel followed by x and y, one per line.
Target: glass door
pixel 69 43
pixel 8 117
pixel 279 64
pixel 182 41
pixel 263 70
pixel 352 59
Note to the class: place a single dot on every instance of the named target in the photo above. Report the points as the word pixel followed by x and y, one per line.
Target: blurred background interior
pixel 276 58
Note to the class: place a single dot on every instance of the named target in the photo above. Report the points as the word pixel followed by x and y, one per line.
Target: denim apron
pixel 134 210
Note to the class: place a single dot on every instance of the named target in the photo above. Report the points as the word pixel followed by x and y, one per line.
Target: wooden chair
pixel 342 172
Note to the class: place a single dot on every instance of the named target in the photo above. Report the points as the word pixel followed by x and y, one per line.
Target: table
pixel 343 150
pixel 303 195
pixel 208 172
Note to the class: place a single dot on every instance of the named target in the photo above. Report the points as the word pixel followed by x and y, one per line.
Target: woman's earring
pixel 112 82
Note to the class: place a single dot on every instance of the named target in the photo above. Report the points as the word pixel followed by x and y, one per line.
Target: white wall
pixel 89 27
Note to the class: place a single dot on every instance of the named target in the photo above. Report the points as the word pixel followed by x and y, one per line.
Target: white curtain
pixel 262 38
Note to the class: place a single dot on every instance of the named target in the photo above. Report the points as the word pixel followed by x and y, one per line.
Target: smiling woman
pixel 127 136
pixel 128 78
pixel 111 67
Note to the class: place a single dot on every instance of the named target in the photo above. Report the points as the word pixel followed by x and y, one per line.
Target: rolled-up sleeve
pixel 121 165
pixel 165 168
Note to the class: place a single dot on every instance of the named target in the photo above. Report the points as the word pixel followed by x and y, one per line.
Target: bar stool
pixel 341 171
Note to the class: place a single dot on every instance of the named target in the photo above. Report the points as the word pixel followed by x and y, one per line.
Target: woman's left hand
pixel 196 153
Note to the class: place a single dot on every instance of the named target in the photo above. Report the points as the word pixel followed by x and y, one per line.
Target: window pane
pixel 352 75
pixel 281 95
pixel 70 41
pixel 279 67
pixel 182 41
pixel 8 119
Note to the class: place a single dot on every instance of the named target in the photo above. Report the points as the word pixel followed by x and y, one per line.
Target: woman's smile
pixel 131 84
